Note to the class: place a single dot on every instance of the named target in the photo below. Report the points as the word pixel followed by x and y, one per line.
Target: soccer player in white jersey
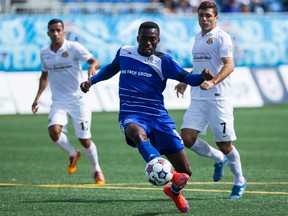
pixel 143 118
pixel 211 103
pixel 61 66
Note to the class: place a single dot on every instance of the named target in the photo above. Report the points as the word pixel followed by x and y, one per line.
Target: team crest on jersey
pixel 127 121
pixel 150 59
pixel 65 54
pixel 210 41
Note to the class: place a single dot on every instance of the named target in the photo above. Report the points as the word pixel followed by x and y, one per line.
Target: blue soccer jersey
pixel 141 84
pixel 143 80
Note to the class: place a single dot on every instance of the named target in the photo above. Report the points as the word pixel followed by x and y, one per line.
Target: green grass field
pixel 34 180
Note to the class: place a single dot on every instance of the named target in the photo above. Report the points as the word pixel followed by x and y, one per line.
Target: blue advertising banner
pixel 260 41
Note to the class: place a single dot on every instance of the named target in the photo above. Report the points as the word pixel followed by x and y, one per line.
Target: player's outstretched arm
pixel 106 73
pixel 195 79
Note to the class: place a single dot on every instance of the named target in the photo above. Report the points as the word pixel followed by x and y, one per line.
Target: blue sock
pixel 147 151
pixel 176 190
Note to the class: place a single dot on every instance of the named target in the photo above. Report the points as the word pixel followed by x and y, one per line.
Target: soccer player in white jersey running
pixel 61 64
pixel 143 118
pixel 211 103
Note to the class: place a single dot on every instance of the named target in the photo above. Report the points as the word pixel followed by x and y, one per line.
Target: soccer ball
pixel 159 171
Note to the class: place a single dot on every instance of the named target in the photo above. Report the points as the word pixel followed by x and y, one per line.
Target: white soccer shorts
pixel 79 114
pixel 216 113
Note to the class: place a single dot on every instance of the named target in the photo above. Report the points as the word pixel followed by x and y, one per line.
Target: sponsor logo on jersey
pixel 136 73
pixel 201 57
pixel 59 67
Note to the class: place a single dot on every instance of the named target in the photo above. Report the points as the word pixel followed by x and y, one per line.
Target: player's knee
pixel 188 139
pixel 139 137
pixel 86 143
pixel 54 134
pixel 225 147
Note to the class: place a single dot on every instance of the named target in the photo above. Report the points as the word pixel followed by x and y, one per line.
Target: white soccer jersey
pixel 207 53
pixel 64 71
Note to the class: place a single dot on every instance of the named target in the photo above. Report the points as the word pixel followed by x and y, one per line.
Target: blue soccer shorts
pixel 161 132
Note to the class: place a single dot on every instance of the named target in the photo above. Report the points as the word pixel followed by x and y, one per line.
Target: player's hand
pixel 85 86
pixel 35 107
pixel 207 75
pixel 207 85
pixel 180 88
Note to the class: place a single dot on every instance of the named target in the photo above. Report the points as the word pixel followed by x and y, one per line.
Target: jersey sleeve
pixel 108 71
pixel 170 68
pixel 43 65
pixel 83 54
pixel 226 46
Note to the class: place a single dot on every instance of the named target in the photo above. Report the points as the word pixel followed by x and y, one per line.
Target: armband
pixel 181 75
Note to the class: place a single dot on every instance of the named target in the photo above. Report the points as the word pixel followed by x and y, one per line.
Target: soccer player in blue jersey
pixel 143 117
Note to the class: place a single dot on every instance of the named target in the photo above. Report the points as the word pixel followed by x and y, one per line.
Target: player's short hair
pixel 53 21
pixel 149 24
pixel 209 4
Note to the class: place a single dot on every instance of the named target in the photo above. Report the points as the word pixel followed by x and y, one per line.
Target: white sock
pixel 92 154
pixel 234 163
pixel 64 144
pixel 202 148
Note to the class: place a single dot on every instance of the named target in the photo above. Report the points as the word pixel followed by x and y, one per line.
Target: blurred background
pixel 259 29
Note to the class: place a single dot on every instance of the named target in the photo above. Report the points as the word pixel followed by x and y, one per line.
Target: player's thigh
pixel 134 126
pixel 221 121
pixel 136 133
pixel 81 117
pixel 166 142
pixel 58 116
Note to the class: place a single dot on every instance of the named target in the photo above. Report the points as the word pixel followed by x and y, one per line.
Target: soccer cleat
pixel 73 160
pixel 219 170
pixel 180 202
pixel 180 179
pixel 237 191
pixel 99 177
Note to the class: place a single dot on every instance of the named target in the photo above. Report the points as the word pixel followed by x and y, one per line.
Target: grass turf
pixel 34 179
